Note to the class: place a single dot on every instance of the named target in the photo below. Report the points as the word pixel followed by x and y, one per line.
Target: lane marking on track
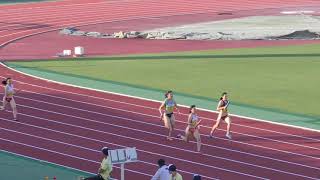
pixel 81 147
pixel 68 155
pixel 297 12
pixel 151 133
pixel 52 163
pixel 91 139
pixel 152 100
pixel 147 107
pixel 96 140
pixel 153 116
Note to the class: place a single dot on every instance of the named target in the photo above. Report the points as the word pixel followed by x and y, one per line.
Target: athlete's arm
pixel 190 119
pixel 5 91
pixel 161 107
pixel 219 108
pixel 176 106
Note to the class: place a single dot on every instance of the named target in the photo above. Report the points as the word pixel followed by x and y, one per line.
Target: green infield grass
pixel 283 79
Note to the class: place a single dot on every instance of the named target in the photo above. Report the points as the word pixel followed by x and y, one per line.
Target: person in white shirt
pixel 163 171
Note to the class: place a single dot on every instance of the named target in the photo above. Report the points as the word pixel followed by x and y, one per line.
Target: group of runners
pixel 166 114
pixel 193 121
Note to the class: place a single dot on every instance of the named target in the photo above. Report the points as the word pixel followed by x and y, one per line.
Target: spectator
pixel 105 167
pixel 174 174
pixel 163 172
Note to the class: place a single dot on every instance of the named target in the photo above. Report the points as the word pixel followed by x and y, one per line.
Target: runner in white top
pixel 8 97
pixel 193 128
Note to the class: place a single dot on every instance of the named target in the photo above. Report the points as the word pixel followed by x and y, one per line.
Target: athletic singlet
pixel 194 120
pixel 169 105
pixel 222 104
pixel 10 90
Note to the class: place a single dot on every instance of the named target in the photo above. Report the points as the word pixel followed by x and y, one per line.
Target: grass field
pixel 280 78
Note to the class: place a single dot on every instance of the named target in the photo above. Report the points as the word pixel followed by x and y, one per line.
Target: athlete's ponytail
pixel 5 82
pixel 191 107
pixel 224 93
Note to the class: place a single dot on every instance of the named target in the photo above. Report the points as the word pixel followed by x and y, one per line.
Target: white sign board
pixel 131 154
pixel 126 155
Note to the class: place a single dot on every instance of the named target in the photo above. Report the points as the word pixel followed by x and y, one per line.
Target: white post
pixel 122 171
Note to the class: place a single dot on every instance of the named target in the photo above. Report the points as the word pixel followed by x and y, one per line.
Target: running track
pixel 68 125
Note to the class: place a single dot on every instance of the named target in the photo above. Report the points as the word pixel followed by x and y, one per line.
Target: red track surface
pixel 68 125
pixel 111 16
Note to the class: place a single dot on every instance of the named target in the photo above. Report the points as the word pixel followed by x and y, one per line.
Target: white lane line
pixel 60 142
pixel 93 13
pixel 147 107
pixel 68 155
pixel 120 135
pixel 91 139
pixel 48 162
pixel 209 145
pixel 60 26
pixel 153 143
pixel 104 114
pixel 91 120
pixel 151 100
pixel 297 12
pixel 92 19
pixel 80 147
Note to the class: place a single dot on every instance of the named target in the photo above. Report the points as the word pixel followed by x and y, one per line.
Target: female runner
pixel 8 97
pixel 223 115
pixel 169 104
pixel 193 127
